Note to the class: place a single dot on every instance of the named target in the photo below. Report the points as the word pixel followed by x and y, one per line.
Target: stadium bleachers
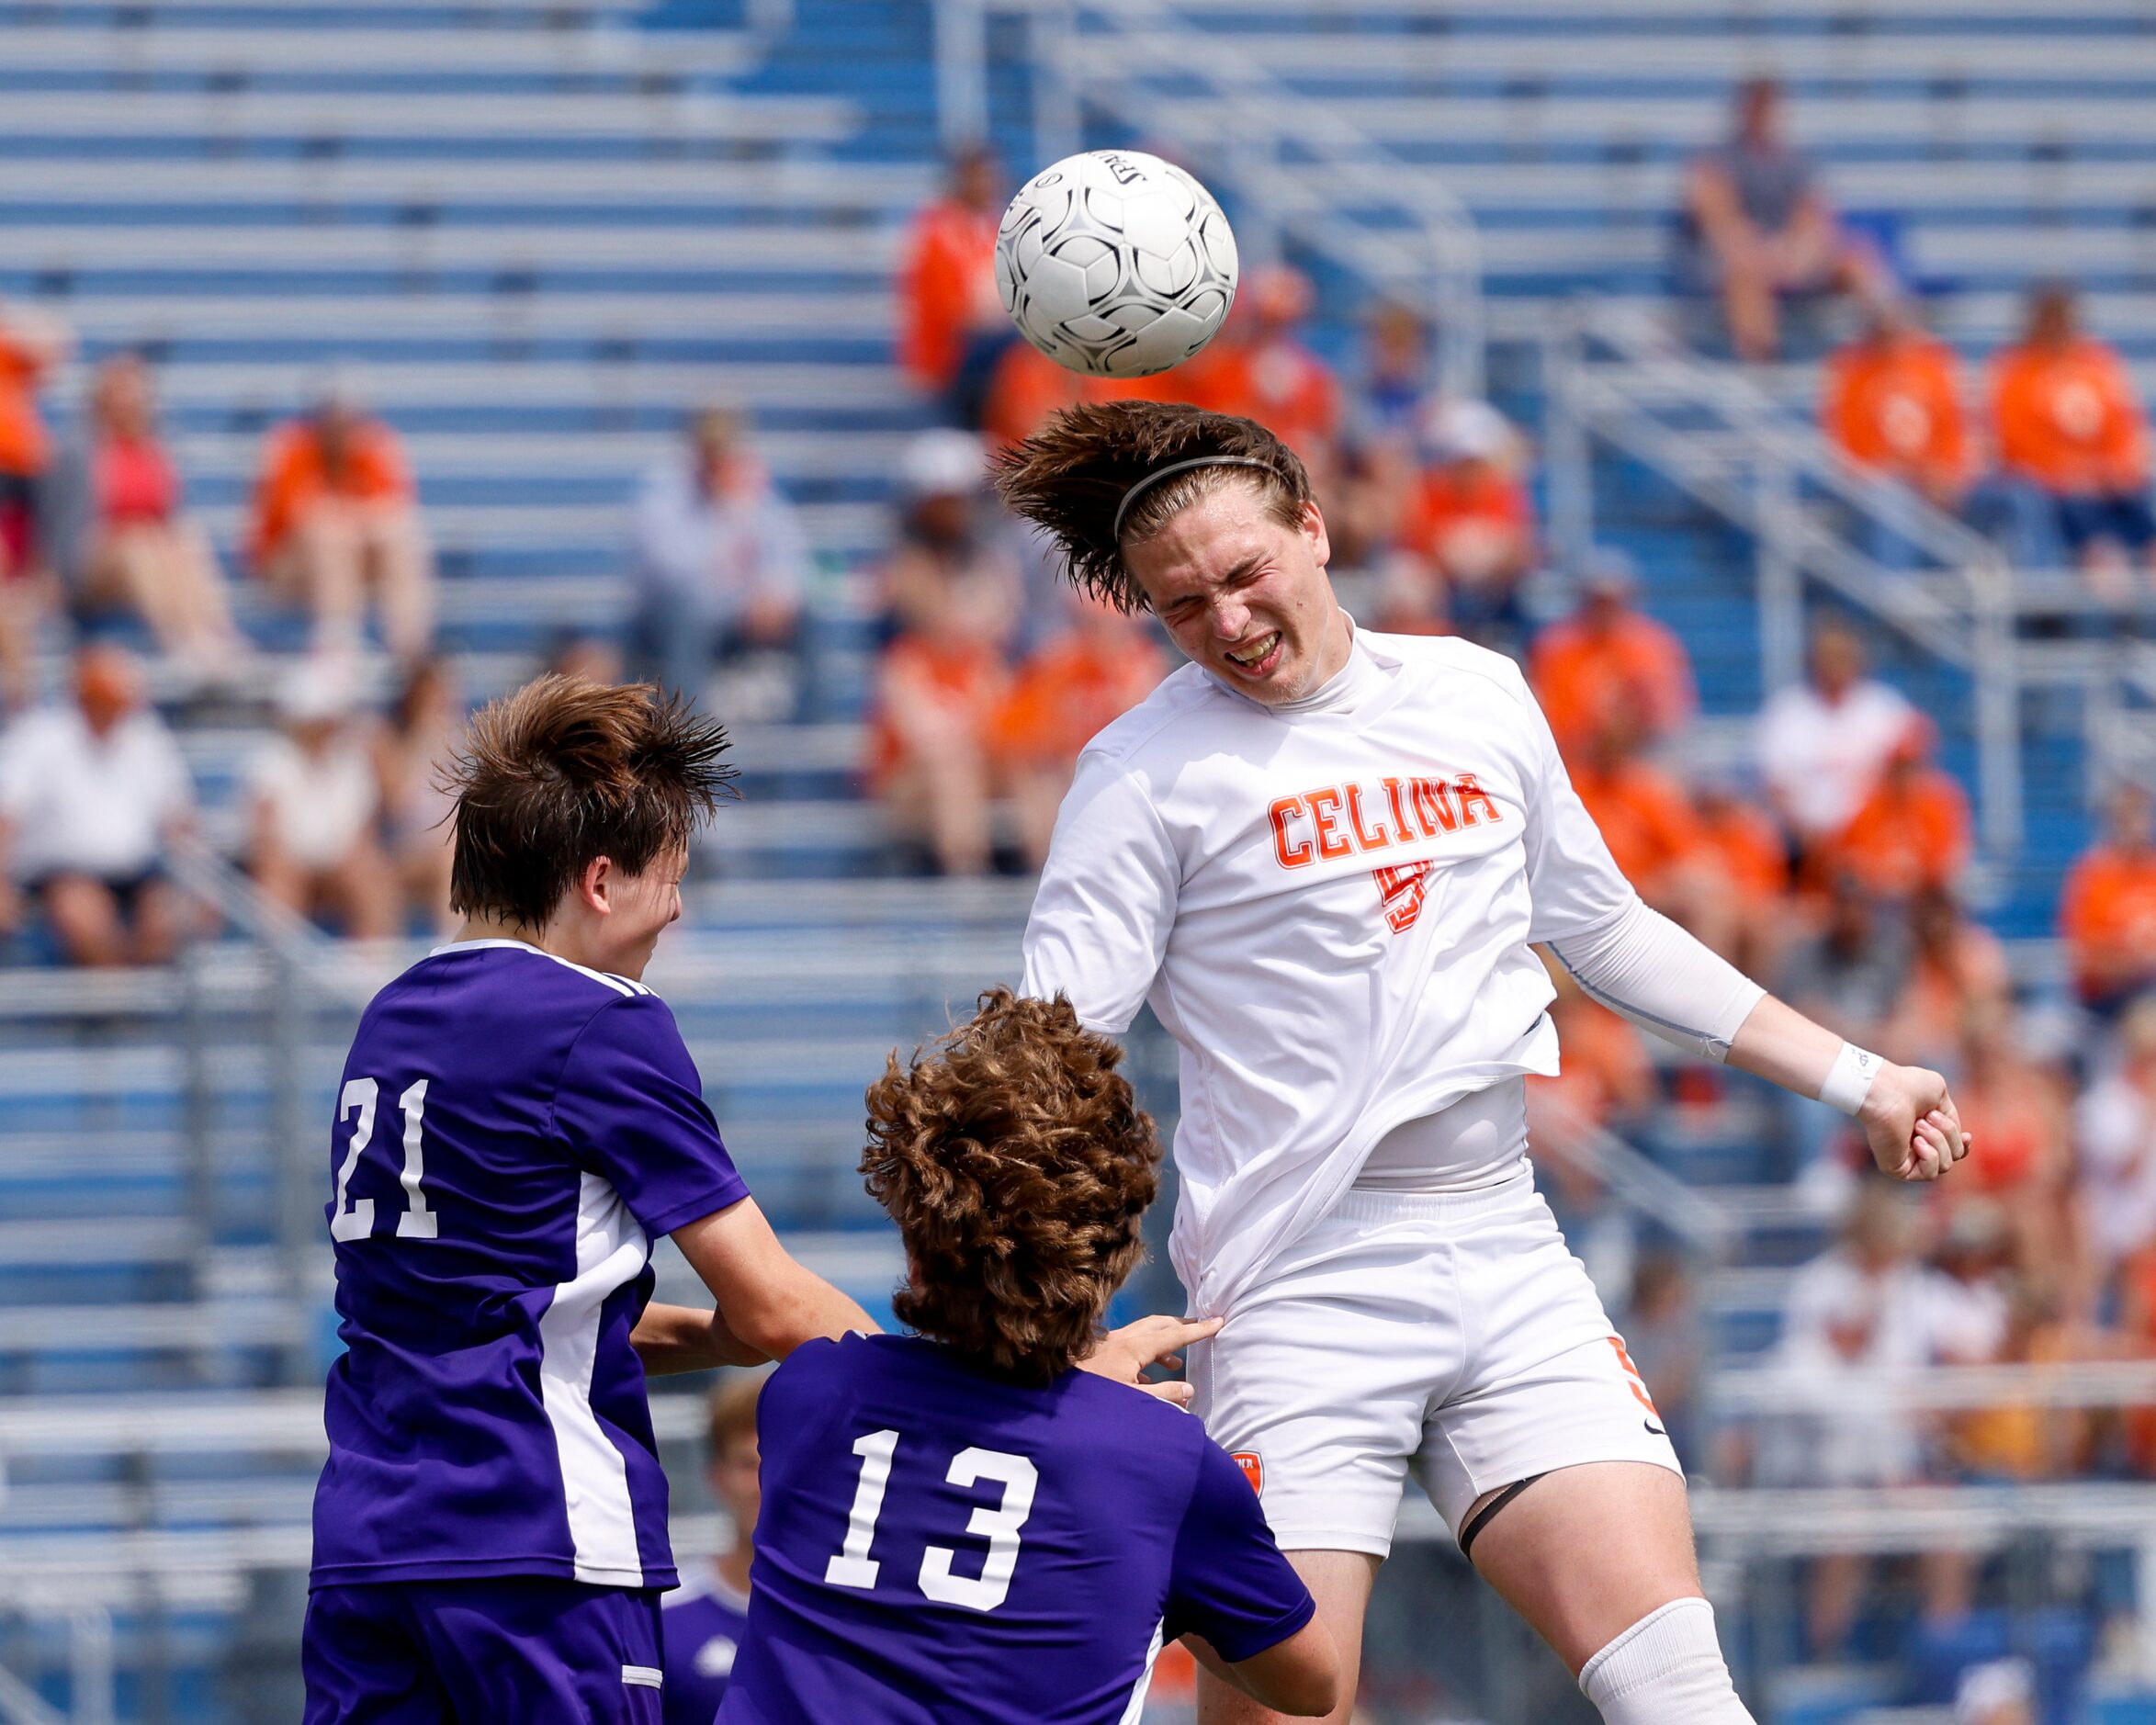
pixel 536 233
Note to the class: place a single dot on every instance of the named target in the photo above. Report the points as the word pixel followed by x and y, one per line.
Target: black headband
pixel 1153 479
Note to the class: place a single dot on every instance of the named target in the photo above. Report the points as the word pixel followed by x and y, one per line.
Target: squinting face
pixel 640 906
pixel 1243 596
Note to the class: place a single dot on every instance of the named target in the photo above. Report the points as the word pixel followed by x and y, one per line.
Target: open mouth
pixel 1258 657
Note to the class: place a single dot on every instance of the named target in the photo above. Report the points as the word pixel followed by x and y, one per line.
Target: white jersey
pixel 1329 906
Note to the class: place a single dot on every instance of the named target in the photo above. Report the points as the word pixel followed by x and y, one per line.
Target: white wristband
pixel 1849 1081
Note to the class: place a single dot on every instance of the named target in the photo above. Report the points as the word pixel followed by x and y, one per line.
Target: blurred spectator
pixel 126 543
pixel 425 728
pixel 1822 742
pixel 952 325
pixel 1605 649
pixel 720 564
pixel 1666 1336
pixel 1258 368
pixel 2021 1155
pixel 2107 910
pixel 1956 967
pixel 951 588
pixel 313 806
pixel 32 346
pixel 1912 834
pixel 1744 849
pixel 703 1620
pixel 2115 1125
pixel 1892 404
pixel 1390 402
pixel 1468 531
pixel 1026 386
pixel 1648 824
pixel 1606 1078
pixel 1764 233
pixel 90 795
pixel 336 515
pixel 2001 1693
pixel 2068 427
pixel 1850 975
pixel 1068 690
pixel 574 653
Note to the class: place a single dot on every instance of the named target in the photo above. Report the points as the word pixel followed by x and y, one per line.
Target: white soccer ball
pixel 1115 263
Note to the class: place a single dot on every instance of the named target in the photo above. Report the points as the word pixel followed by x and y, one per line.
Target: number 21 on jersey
pixel 999 1525
pixel 352 1219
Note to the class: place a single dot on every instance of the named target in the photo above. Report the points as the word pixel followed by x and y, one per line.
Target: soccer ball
pixel 1115 263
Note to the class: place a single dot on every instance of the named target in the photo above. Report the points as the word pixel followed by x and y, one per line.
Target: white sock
pixel 1665 1670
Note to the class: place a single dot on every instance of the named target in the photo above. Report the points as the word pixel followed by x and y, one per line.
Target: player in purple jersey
pixel 705 1619
pixel 518 1119
pixel 957 1526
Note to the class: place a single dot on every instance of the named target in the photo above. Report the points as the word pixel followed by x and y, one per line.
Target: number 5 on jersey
pixel 852 1566
pixel 354 1219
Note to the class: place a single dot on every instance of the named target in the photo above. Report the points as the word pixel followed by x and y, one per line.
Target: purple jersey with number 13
pixel 940 1546
pixel 512 1133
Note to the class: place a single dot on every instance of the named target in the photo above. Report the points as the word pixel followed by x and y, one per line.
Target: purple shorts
pixel 526 1648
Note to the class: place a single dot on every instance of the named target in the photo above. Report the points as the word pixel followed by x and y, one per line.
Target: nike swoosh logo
pixel 1651 1426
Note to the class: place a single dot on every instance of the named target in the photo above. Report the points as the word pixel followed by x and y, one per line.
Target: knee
pixel 1667 1669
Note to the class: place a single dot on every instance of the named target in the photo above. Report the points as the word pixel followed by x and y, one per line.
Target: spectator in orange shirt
pixel 1026 386
pixel 2107 913
pixel 1071 688
pixel 1606 647
pixel 1258 368
pixel 2067 423
pixel 32 346
pixel 1891 402
pixel 128 543
pixel 1469 534
pixel 1742 848
pixel 1956 967
pixel 1912 834
pixel 952 325
pixel 951 591
pixel 335 514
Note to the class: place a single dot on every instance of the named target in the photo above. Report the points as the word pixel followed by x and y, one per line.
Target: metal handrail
pixel 1295 160
pixel 1747 465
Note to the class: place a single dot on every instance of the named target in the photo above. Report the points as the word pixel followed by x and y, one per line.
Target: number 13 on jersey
pixel 354 1219
pixel 999 1525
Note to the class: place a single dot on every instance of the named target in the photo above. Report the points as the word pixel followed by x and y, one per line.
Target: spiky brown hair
pixel 564 771
pixel 1017 1164
pixel 1070 477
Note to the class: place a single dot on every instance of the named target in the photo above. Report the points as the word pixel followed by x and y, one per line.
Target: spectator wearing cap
pixel 313 805
pixel 1822 742
pixel 1468 532
pixel 2067 425
pixel 336 518
pixel 1100 665
pixel 2107 911
pixel 1610 649
pixel 1763 232
pixel 1258 367
pixel 91 794
pixel 1912 834
pixel 952 588
pixel 950 321
pixel 720 558
pixel 33 344
pixel 128 543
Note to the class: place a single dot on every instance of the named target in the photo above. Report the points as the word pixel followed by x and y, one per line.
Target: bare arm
pixel 669 1339
pixel 771 1304
pixel 1908 1119
pixel 1299 1676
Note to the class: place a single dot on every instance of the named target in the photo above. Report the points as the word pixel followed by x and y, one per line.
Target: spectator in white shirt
pixel 90 795
pixel 720 559
pixel 315 806
pixel 1822 742
pixel 2116 1123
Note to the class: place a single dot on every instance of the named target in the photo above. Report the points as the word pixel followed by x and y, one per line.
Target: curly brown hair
pixel 1017 1163
pixel 1071 476
pixel 564 771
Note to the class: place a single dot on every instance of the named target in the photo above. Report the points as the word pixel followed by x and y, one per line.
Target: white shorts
pixel 1454 1333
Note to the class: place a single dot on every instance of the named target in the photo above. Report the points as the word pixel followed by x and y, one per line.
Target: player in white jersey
pixel 1324 856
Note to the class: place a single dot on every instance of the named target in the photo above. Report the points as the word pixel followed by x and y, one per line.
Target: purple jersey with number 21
pixel 512 1133
pixel 939 1545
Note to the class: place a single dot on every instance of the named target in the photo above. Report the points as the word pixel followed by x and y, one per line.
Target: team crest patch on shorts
pixel 1253 1470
